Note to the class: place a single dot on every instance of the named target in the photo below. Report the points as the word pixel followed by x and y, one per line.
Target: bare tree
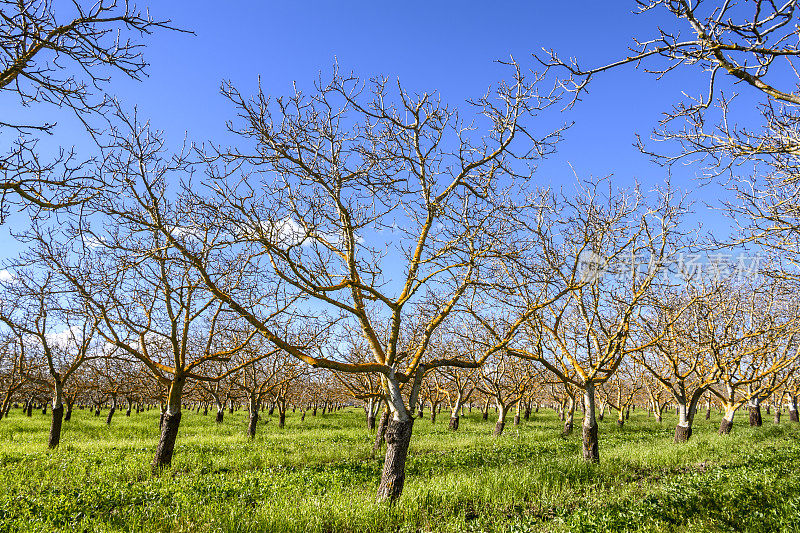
pixel 375 211
pixel 574 305
pixel 48 323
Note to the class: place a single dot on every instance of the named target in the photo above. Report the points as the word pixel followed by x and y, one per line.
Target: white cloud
pixel 67 337
pixel 6 276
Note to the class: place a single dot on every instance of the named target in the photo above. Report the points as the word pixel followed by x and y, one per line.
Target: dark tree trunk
pixel 453 426
pixel 303 416
pixel 708 413
pixel 379 436
pixel 55 427
pixel 220 415
pixel 567 431
pixel 777 418
pixel 29 410
pixel 282 419
pixel 68 413
pixel 251 425
pixel 485 415
pixel 591 447
pixel 682 433
pixel 96 411
pixel 498 428
pixel 370 421
pixel 792 415
pixel 398 438
pixel 433 415
pixel 527 412
pixel 110 415
pixel 755 416
pixel 725 426
pixel 166 444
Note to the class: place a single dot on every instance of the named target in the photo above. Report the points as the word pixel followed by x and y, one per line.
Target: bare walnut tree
pixel 380 208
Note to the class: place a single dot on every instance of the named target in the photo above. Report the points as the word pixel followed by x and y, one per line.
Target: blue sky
pixel 446 46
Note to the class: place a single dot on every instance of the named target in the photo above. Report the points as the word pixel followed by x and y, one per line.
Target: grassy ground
pixel 316 476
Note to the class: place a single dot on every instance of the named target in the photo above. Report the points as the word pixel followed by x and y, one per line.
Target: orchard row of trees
pixel 399 244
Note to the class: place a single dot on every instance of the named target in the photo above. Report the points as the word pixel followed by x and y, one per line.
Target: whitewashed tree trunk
pixel 591 448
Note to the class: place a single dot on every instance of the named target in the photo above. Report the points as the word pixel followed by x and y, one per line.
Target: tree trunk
pixel 398 438
pixel 281 418
pixel 251 424
pixel 453 425
pixel 68 413
pixel 501 420
pixel 379 436
pixel 683 431
pixel 220 414
pixel 727 421
pixel 591 447
pixel 755 415
pixel 454 415
pixel 55 426
pixel 792 409
pixel 569 418
pixel 433 415
pixel 56 417
pixel 111 412
pixel 169 427
pixel 777 418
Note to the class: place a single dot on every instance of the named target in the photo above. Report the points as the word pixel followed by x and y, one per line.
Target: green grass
pixel 316 475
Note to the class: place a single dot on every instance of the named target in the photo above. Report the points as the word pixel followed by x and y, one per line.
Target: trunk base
pixel 591 448
pixel 453 423
pixel 725 427
pixel 251 424
pixel 398 438
pixel 682 433
pixel 55 427
pixel 755 416
pixel 166 444
pixel 498 428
